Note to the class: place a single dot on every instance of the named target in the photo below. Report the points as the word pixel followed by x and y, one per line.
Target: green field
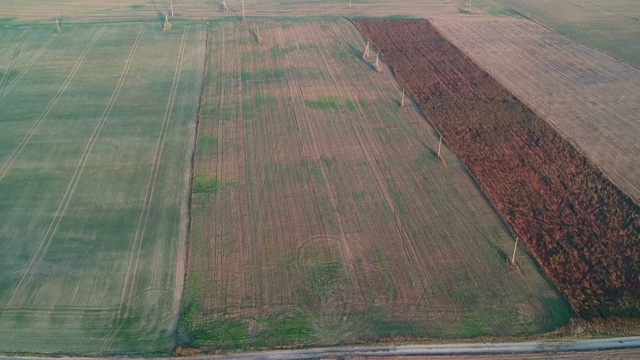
pixel 96 136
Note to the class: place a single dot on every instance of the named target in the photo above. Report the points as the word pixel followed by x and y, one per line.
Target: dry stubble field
pixel 612 26
pixel 590 98
pixel 12 11
pixel 96 136
pixel 321 214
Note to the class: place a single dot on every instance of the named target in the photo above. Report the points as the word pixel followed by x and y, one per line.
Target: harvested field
pixel 612 26
pixel 322 215
pixel 16 11
pixel 590 98
pixel 582 229
pixel 96 128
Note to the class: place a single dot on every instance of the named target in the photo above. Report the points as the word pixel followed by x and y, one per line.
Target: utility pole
pixel 224 6
pixel 349 4
pixel 439 147
pixel 366 51
pixel 171 8
pixel 402 101
pixel 167 24
pixel 58 28
pixel 513 257
pixel 469 6
pixel 243 18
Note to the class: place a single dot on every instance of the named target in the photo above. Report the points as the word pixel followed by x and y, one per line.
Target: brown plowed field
pixel 583 231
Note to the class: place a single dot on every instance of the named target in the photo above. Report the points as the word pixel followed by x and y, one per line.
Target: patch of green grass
pixel 7 21
pixel 247 109
pixel 207 143
pixel 205 185
pixel 425 158
pixel 225 114
pixel 381 133
pixel 558 313
pixel 136 7
pixel 9 75
pixel 471 327
pixel 399 200
pixel 224 333
pixel 324 103
pixel 284 330
pixel 278 51
pixel 265 100
pixel 383 328
pixel 262 75
pixel 308 47
pixel 283 20
pixel 221 334
pixel 328 161
pixel 364 104
pixel 360 198
pixel 399 17
pixel 316 174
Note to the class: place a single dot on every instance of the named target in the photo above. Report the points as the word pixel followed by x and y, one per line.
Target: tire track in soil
pixel 28 66
pixel 12 61
pixel 46 240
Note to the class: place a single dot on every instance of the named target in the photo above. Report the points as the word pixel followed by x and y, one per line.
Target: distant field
pixel 590 98
pixel 321 213
pixel 612 26
pixel 92 10
pixel 96 131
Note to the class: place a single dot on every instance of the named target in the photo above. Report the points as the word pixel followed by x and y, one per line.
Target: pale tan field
pixel 93 10
pixel 590 98
pixel 612 26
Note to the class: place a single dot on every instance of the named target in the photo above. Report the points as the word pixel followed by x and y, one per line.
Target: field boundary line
pixel 148 196
pixel 7 164
pixel 12 61
pixel 62 207
pixel 28 66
